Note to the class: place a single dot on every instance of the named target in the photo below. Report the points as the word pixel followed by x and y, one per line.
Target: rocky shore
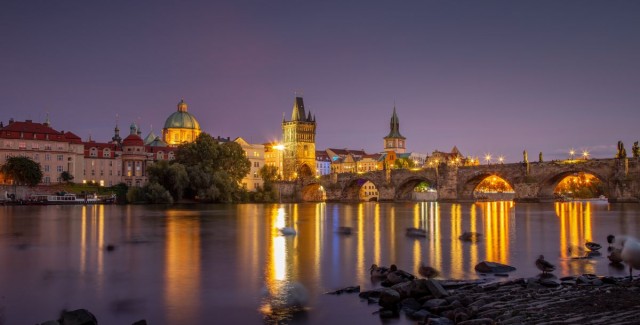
pixel 583 299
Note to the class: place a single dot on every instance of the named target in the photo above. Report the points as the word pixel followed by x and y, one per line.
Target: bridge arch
pixel 313 192
pixel 549 184
pixel 468 186
pixel 351 189
pixel 404 190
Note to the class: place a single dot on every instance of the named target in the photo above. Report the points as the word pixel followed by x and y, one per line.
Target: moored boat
pixel 68 198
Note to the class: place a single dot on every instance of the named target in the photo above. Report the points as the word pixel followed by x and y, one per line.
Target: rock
pixel 140 322
pixel 421 315
pixel 78 317
pixel 493 267
pixel 609 280
pixel 550 282
pixel 351 289
pixel 410 304
pixel 389 298
pixel 387 313
pixel 568 283
pixel 439 321
pixel 478 321
pixel 433 303
pixel 419 288
pixel 436 289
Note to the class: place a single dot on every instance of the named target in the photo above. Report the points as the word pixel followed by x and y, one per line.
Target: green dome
pixel 182 120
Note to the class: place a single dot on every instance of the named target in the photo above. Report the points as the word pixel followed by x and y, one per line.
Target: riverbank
pixel 587 299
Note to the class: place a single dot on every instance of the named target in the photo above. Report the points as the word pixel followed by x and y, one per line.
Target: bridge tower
pixel 299 141
pixel 394 141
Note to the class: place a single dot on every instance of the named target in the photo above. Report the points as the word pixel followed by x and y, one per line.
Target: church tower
pixel 394 141
pixel 299 137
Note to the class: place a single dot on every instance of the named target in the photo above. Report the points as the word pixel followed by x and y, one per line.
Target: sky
pixel 490 77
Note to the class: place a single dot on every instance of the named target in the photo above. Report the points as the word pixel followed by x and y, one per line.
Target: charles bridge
pixel 531 182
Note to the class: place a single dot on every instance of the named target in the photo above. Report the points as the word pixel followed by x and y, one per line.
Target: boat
pixel 68 198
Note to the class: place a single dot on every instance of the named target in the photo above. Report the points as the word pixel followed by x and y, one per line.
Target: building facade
pixel 299 143
pixel 255 153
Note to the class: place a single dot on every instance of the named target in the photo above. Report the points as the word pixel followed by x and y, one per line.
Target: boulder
pixel 439 321
pixel 493 267
pixel 433 303
pixel 389 298
pixel 436 289
pixel 78 317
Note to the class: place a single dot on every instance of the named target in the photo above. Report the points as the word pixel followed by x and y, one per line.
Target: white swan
pixel 287 231
pixel 631 254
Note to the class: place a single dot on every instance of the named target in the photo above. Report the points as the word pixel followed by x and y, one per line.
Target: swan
pixel 287 231
pixel 544 266
pixel 630 254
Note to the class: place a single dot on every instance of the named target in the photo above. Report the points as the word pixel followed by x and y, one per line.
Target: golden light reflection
pixel 473 254
pixel 435 258
pixel 575 231
pixel 496 219
pixel 376 234
pixel 182 269
pixel 457 255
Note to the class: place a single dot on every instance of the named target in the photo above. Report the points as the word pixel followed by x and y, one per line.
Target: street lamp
pixel 571 153
pixel 585 154
pixel 487 157
pixel 280 147
pixel 501 159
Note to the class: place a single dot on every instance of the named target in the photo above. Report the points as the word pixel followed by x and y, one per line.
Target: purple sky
pixel 488 76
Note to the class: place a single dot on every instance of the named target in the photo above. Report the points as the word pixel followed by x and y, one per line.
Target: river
pixel 228 264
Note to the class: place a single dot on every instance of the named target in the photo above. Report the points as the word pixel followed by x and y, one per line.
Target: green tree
pixel 214 169
pixel 22 170
pixel 172 176
pixel 269 174
pixel 405 163
pixel 156 193
pixel 66 177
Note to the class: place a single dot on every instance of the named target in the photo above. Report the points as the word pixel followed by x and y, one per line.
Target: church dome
pixel 182 119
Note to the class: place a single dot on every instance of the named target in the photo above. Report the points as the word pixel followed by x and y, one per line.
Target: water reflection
pixel 182 266
pixel 575 230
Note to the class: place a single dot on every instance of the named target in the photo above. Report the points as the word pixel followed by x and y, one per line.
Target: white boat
pixel 68 198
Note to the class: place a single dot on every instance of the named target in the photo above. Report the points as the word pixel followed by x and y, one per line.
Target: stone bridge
pixel 534 183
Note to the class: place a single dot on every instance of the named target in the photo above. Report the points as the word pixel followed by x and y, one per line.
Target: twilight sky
pixel 488 76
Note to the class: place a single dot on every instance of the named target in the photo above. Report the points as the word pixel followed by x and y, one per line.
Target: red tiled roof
pixel 31 131
pixel 133 140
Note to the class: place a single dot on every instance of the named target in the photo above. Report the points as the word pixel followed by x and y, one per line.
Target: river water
pixel 228 264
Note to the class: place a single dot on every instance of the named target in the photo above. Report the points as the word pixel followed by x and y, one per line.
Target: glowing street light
pixel 487 157
pixel 585 154
pixel 571 153
pixel 501 159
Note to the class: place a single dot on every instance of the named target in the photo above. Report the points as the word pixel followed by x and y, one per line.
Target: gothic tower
pixel 299 142
pixel 394 141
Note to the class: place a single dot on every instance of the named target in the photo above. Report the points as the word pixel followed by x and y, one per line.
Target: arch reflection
pixel 497 222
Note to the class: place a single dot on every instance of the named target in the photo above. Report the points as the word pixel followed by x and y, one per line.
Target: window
pixel 47 180
pixel 46 168
pixel 93 152
pixel 35 146
pixel 106 153
pixel 22 145
pixel 47 157
pixel 256 164
pixel 60 158
pixel 47 147
pixel 36 157
pixel 59 169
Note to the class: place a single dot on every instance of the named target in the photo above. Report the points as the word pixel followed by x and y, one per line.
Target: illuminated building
pixel 299 143
pixel 256 155
pixel 180 127
pixel 394 141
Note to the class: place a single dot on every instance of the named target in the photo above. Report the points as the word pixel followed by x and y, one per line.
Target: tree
pixel 404 163
pixel 22 170
pixel 269 174
pixel 214 169
pixel 172 176
pixel 66 177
